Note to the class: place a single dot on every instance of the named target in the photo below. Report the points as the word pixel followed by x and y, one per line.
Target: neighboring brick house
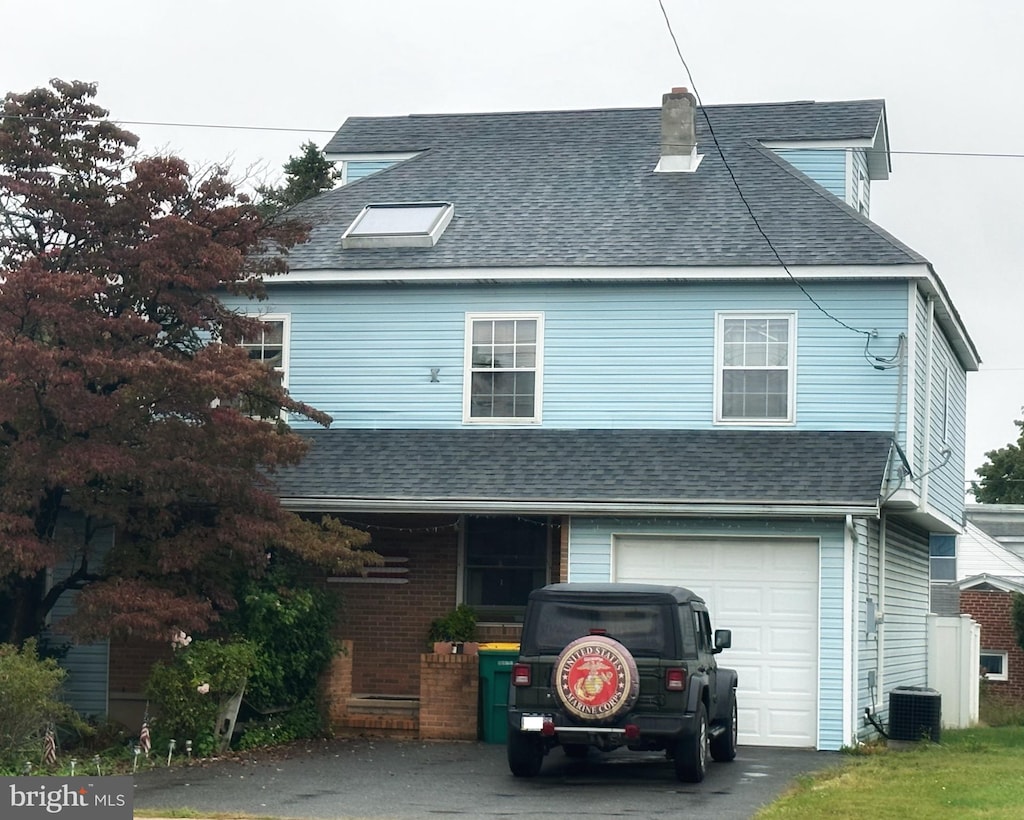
pixel 989 602
pixel 989 573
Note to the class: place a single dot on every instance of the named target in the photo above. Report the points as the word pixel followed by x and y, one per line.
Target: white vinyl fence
pixel 954 663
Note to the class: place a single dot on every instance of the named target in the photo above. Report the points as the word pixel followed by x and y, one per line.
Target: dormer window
pixel 398 225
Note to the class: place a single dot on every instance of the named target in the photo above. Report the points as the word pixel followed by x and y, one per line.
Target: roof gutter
pixel 326 504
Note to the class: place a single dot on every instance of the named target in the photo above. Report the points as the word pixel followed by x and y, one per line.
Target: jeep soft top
pixel 610 665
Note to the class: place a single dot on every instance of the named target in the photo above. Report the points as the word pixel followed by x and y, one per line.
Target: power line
pixel 296 130
pixel 160 124
pixel 743 198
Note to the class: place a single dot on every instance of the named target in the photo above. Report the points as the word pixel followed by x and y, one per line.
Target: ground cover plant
pixel 971 773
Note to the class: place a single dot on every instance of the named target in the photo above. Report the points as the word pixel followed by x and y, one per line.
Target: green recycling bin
pixel 496 660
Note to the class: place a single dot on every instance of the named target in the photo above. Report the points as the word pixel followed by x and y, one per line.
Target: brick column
pixel 449 688
pixel 336 687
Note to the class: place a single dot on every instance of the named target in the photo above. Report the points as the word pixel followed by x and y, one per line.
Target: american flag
pixel 49 748
pixel 144 741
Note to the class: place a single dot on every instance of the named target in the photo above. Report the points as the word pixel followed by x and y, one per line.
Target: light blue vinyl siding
pixel 945 483
pixel 620 356
pixel 357 169
pixel 590 559
pixel 866 562
pixel 919 379
pixel 85 688
pixel 826 166
pixel 906 607
pixel 860 165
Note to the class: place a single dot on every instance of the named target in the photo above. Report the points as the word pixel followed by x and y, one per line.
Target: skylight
pixel 398 225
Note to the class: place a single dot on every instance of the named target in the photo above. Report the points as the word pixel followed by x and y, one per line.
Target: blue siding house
pixel 660 344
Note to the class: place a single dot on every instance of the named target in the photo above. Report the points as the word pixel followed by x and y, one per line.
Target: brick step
pixel 392 705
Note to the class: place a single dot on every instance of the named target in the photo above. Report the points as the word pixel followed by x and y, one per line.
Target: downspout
pixel 880 618
pixel 851 635
pixel 926 445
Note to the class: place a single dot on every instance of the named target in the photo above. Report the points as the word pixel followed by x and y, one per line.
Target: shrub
pixel 188 692
pixel 290 627
pixel 458 626
pixel 299 722
pixel 29 701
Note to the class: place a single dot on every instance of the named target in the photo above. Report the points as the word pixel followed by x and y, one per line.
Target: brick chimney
pixel 678 133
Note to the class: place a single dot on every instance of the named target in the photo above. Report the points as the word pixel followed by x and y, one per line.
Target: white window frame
pixel 356 236
pixel 286 334
pixel 720 319
pixel 537 370
pixel 343 159
pixel 1005 675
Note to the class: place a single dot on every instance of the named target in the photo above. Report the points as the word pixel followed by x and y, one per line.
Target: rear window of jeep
pixel 645 629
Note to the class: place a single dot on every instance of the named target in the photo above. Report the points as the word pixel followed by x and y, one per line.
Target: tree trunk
pixel 22 613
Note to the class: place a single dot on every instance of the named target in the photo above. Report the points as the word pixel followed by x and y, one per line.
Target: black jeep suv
pixel 610 665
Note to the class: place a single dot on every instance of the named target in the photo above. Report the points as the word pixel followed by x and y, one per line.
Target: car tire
pixel 723 747
pixel 525 754
pixel 691 757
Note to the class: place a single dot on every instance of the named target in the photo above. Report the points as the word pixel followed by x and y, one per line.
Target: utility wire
pixel 294 130
pixel 868 333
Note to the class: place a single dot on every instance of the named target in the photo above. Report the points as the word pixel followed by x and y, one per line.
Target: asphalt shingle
pixel 591 466
pixel 577 188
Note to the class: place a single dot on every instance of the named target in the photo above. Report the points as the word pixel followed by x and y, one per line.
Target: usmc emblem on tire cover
pixel 596 678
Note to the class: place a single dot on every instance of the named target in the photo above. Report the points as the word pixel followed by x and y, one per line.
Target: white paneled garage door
pixel 766 591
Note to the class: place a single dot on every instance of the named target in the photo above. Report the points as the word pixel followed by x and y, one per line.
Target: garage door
pixel 766 592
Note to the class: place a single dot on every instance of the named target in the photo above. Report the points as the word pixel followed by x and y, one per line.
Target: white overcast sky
pixel 950 73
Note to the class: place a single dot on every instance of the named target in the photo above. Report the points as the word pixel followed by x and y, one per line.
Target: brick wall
pixel 336 686
pixel 388 623
pixel 991 609
pixel 449 688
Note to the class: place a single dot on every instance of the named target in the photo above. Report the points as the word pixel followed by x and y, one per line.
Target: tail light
pixel 675 679
pixel 521 674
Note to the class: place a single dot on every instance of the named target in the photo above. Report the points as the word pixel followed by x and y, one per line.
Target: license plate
pixel 532 723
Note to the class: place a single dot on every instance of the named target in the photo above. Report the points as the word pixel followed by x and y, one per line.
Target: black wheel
pixel 723 747
pixel 692 751
pixel 577 751
pixel 525 754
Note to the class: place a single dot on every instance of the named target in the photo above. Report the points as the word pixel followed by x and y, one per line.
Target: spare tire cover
pixel 596 678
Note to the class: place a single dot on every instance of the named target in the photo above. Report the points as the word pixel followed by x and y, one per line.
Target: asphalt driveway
pixel 363 778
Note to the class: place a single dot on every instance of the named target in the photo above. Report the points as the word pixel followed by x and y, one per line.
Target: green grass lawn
pixel 972 773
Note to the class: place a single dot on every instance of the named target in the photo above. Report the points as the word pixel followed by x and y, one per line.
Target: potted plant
pixel 453 633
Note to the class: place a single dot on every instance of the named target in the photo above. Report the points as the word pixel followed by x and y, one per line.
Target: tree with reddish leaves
pixel 121 376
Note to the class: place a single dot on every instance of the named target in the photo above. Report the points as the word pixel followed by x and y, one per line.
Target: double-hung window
pixel 942 557
pixel 270 348
pixel 503 367
pixel 755 368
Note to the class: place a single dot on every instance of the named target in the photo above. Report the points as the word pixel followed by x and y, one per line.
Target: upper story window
pixel 270 347
pixel 503 367
pixel 398 225
pixel 942 557
pixel 356 166
pixel 755 368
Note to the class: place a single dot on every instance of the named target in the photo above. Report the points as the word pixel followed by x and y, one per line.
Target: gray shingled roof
pixel 576 188
pixel 406 467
